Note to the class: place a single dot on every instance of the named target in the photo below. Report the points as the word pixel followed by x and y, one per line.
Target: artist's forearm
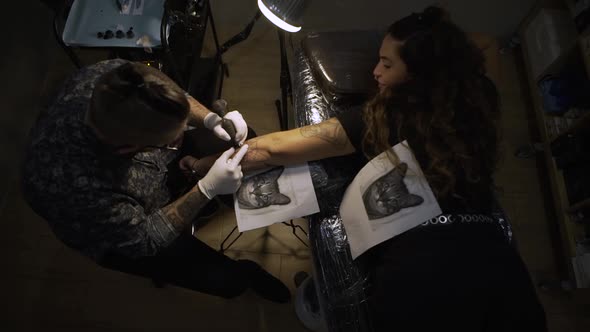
pixel 197 114
pixel 181 212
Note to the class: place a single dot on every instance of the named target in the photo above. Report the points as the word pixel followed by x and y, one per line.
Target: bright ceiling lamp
pixel 286 14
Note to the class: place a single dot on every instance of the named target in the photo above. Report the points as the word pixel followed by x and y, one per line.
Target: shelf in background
pixel 569 53
pixel 584 42
pixel 581 123
pixel 569 231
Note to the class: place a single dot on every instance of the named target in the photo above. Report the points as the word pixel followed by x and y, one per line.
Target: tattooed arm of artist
pixel 181 212
pixel 197 112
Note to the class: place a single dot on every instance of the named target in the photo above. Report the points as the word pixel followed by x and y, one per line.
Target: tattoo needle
pixel 220 108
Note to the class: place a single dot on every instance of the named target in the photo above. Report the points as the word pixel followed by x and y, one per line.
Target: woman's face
pixel 390 70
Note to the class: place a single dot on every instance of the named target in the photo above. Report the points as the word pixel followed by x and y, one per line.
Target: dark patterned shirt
pixel 95 201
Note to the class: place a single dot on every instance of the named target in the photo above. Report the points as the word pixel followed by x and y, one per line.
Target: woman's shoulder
pixel 351 120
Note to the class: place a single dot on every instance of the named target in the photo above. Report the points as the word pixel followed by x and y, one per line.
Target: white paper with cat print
pixel 274 196
pixel 384 201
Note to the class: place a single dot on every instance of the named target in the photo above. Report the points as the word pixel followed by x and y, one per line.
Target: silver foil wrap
pixel 340 281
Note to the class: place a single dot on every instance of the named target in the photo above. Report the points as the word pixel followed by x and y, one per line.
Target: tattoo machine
pixel 219 107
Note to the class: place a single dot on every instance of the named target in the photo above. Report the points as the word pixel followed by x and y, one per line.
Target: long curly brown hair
pixel 447 108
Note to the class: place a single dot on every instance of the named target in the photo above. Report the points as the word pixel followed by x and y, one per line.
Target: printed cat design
pixel 261 191
pixel 389 194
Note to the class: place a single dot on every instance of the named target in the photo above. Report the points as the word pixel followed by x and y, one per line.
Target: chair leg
pixel 221 246
pixel 294 229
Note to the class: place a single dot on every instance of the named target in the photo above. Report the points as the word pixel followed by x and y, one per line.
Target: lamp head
pixel 286 14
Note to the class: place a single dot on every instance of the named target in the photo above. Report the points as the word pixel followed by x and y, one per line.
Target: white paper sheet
pixel 383 201
pixel 275 196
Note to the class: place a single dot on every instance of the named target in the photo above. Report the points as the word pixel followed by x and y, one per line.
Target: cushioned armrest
pixel 343 61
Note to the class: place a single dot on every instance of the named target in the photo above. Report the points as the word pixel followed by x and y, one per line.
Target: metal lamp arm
pixel 243 35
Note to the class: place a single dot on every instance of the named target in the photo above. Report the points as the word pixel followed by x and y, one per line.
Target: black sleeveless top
pixel 459 277
pixel 468 197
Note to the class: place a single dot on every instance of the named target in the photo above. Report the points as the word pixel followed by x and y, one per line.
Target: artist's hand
pixel 240 125
pixel 225 176
pixel 213 122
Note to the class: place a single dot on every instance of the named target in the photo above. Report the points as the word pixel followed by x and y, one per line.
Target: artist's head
pixel 432 86
pixel 135 106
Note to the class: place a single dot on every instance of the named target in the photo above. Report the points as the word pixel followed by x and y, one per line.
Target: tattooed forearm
pixel 197 112
pixel 185 209
pixel 174 218
pixel 255 154
pixel 191 205
pixel 329 131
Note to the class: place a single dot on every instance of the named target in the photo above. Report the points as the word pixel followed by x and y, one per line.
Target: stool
pixel 223 248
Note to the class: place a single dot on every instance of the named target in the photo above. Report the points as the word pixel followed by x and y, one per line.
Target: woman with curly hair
pixel 433 93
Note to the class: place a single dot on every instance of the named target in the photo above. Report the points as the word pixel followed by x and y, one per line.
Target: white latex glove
pixel 225 176
pixel 213 122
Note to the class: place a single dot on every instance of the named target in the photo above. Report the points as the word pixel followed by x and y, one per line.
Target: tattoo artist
pixel 99 166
